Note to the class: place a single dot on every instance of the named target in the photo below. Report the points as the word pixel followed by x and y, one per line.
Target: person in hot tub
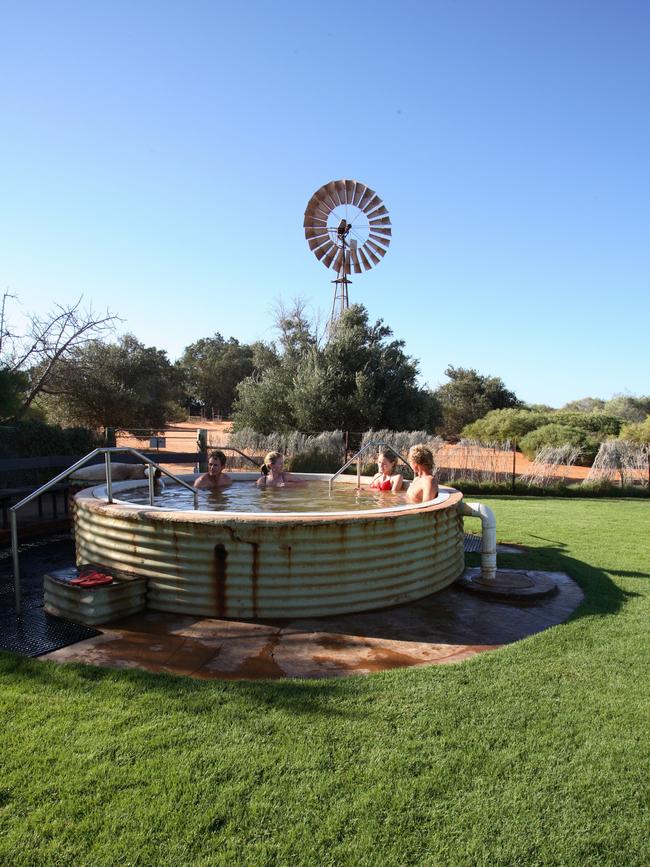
pixel 424 487
pixel 215 477
pixel 274 474
pixel 387 479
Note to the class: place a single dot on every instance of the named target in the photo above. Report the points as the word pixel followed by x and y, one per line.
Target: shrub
pixel 314 460
pixel 596 423
pixel 636 432
pixel 38 439
pixel 579 491
pixel 505 424
pixel 560 435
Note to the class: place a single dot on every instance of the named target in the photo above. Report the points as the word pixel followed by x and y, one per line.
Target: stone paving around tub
pixel 445 627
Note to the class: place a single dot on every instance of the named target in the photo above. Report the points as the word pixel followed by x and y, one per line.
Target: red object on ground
pixel 92 579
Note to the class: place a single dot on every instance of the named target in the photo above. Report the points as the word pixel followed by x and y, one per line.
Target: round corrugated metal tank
pixel 226 564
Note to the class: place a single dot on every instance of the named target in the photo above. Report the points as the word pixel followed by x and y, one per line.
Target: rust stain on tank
pixel 220 577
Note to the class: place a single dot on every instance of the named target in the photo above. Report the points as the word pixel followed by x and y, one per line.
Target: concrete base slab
pixel 446 627
pixel 517 585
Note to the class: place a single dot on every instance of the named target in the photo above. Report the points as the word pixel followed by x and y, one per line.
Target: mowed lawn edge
pixel 533 754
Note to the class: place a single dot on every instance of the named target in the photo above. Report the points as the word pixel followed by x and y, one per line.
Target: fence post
pixel 109 436
pixel 514 463
pixel 202 446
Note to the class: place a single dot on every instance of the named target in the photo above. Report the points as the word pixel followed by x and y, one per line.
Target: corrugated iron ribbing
pixel 275 569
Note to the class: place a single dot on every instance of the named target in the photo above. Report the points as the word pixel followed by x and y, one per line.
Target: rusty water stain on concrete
pixel 446 627
pixel 261 666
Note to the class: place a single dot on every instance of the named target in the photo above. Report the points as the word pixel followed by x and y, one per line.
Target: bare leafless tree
pixel 48 340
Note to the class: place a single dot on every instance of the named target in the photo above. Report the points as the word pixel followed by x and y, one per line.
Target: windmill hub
pixel 348 228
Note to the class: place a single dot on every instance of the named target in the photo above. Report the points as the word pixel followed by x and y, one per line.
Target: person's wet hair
pixel 219 455
pixel 422 455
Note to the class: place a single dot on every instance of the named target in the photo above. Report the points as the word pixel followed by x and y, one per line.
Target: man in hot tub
pixel 424 487
pixel 215 477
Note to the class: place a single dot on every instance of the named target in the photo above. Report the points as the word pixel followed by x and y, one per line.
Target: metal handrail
pixel 373 443
pixel 107 452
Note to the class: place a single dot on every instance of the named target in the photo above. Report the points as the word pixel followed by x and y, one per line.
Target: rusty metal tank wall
pixel 269 565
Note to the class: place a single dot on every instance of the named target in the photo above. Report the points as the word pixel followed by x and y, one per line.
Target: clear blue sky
pixel 158 157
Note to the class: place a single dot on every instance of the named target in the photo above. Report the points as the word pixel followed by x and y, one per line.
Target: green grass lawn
pixel 534 754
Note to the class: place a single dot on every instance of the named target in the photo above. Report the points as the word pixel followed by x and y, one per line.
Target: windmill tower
pixel 348 228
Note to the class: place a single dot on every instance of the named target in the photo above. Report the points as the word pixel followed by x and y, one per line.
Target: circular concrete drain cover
pixel 508 585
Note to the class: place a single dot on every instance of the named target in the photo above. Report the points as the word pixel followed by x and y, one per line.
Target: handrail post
pixel 109 476
pixel 14 556
pixel 151 477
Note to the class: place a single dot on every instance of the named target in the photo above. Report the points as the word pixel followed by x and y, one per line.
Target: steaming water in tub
pixel 244 496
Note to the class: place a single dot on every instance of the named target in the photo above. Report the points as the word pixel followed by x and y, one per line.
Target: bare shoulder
pixel 429 488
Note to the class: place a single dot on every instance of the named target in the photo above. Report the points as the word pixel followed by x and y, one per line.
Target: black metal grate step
pixel 35 632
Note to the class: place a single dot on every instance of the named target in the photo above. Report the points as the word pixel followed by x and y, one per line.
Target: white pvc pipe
pixel 488 537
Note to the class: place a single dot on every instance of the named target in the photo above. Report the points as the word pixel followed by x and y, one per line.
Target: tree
pixel 561 435
pixel 628 407
pixel 358 379
pixel 213 367
pixel 124 385
pixel 637 432
pixel 13 385
pixel 585 404
pixel 469 396
pixel 499 425
pixel 48 342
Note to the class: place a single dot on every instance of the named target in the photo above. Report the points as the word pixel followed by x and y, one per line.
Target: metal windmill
pixel 348 228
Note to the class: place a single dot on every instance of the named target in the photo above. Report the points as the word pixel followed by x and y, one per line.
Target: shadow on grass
pixel 302 698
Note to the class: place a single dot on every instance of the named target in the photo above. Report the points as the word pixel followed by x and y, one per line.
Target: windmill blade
pixel 340 189
pixel 372 246
pixel 385 242
pixel 315 223
pixel 329 257
pixel 382 231
pixel 324 250
pixel 366 197
pixel 380 221
pixel 366 264
pixel 317 209
pixel 375 259
pixel 315 231
pixel 319 226
pixel 315 243
pixel 330 189
pixel 355 259
pixel 349 191
pixel 358 193
pixel 375 202
pixel 338 261
pixel 321 252
pixel 377 212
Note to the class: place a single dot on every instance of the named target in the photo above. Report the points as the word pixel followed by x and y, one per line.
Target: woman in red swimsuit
pixel 387 479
